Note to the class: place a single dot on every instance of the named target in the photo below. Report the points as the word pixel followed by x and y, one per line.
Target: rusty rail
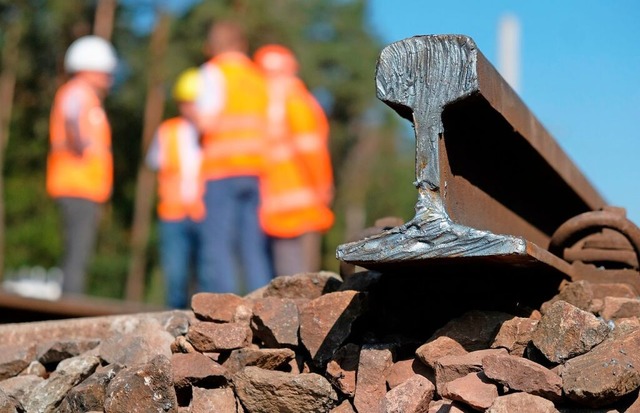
pixel 602 246
pixel 493 185
pixel 15 308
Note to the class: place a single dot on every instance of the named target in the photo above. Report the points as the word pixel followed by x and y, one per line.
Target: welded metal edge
pixel 431 234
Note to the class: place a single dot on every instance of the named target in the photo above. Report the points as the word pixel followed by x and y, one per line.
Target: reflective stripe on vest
pixel 180 188
pixel 223 149
pixel 309 142
pixel 88 175
pixel 290 200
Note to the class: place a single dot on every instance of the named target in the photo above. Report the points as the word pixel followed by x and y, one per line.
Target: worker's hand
pixel 74 142
pixel 76 147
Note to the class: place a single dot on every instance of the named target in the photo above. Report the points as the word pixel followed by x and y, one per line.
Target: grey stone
pixel 566 331
pixel 605 374
pixel 262 390
pixel 326 322
pixel 47 395
pixel 142 388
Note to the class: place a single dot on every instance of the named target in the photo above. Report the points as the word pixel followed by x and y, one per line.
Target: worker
pixel 232 117
pixel 176 155
pixel 79 163
pixel 297 187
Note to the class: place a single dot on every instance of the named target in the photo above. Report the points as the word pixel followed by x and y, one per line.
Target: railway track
pixel 493 185
pixel 15 308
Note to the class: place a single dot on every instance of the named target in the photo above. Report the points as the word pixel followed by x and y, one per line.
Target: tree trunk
pixel 356 176
pixel 104 18
pixel 145 185
pixel 10 54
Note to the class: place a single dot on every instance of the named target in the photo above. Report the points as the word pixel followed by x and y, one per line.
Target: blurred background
pixel 574 63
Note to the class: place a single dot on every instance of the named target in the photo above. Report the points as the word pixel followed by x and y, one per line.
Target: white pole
pixel 509 50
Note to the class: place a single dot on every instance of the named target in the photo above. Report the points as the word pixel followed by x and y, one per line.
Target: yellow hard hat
pixel 187 86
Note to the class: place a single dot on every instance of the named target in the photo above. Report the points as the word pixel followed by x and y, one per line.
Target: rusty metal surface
pixel 492 183
pixel 589 223
pixel 602 246
pixel 15 308
pixel 99 327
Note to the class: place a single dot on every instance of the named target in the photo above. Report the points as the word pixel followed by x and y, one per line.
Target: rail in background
pixel 15 308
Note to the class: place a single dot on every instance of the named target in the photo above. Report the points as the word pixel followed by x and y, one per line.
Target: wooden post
pixel 356 175
pixel 10 55
pixel 145 186
pixel 104 18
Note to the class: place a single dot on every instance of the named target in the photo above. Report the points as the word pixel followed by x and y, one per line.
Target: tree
pixel 10 54
pixel 104 18
pixel 154 107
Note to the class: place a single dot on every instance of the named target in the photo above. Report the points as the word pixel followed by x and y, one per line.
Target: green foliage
pixel 337 54
pixel 33 236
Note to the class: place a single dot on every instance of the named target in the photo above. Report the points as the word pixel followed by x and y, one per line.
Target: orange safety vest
pixel 89 175
pixel 299 166
pixel 235 145
pixel 180 188
pixel 311 138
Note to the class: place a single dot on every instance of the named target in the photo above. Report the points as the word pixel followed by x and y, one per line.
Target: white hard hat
pixel 90 53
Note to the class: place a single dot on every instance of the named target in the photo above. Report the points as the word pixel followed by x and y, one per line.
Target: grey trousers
pixel 296 255
pixel 80 219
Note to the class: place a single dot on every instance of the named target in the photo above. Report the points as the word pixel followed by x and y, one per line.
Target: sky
pixel 579 73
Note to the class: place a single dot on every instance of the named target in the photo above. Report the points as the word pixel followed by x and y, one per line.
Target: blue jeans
pixel 179 250
pixel 234 255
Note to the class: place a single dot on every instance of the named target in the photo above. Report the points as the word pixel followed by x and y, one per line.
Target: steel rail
pixel 492 183
pixel 15 308
pixel 90 327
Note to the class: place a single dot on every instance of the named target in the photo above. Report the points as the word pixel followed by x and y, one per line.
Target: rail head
pixel 491 180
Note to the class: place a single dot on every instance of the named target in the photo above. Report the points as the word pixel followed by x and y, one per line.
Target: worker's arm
pixel 211 99
pixel 73 113
pixel 153 156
